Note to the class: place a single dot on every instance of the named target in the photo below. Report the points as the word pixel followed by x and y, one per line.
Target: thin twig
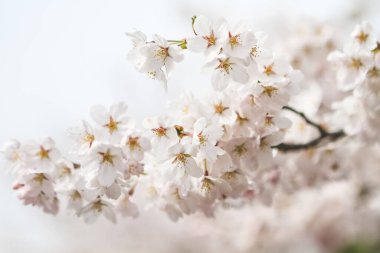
pixel 324 136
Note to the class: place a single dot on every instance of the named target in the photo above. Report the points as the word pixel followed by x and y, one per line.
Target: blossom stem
pixel 324 136
pixel 192 24
pixel 181 43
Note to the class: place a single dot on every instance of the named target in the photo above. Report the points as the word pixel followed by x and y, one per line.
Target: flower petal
pixel 106 175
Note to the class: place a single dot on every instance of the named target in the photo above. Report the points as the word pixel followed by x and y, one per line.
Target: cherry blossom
pixel 287 141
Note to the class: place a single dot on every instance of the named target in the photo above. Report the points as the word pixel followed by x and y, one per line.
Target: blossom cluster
pixel 358 75
pixel 233 147
pixel 201 154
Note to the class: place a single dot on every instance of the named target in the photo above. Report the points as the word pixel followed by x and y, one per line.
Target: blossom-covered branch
pixel 206 154
pixel 323 138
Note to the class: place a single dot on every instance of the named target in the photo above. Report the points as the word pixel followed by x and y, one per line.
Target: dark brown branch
pixel 324 136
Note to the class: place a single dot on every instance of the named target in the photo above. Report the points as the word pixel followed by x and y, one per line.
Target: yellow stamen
pixel 107 157
pixel 224 65
pixel 219 108
pixel 75 195
pixel 207 185
pixel 356 63
pixel 362 37
pixel 88 138
pixel 234 40
pixel 160 132
pixel 133 143
pixel 268 121
pixel 211 40
pixel 112 125
pixel 181 158
pixel 97 206
pixel 202 139
pixel 39 178
pixel 162 53
pixel 240 119
pixel 268 70
pixel 240 149
pixel 43 153
pixel 269 90
pixel 373 73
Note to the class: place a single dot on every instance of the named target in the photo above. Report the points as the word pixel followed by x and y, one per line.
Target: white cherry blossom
pixel 225 69
pixel 210 37
pixel 205 137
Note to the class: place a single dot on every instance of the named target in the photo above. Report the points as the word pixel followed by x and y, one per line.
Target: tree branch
pixel 324 136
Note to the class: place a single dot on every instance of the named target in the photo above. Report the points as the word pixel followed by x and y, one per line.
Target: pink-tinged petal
pixel 222 164
pixel 239 74
pixel 274 139
pixel 282 122
pixel 89 216
pixel 219 80
pixel 377 60
pixel 109 213
pixel 114 191
pixel 196 44
pixel 202 26
pixel 106 175
pixel 223 186
pixel 192 168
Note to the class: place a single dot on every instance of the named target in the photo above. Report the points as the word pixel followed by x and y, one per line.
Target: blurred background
pixel 58 58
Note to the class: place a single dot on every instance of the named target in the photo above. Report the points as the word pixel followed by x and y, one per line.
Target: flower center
pixel 268 121
pixel 43 153
pixel 107 157
pixel 356 63
pixel 240 119
pixel 234 40
pixel 97 206
pixel 112 125
pixel 181 158
pixel 88 138
pixel 230 175
pixel 240 149
pixel 133 143
pixel 162 53
pixel 376 50
pixel 254 51
pixel 160 132
pixel 207 185
pixel 219 108
pixel 374 72
pixel 269 90
pixel 65 171
pixel 224 65
pixel 39 178
pixel 268 70
pixel 75 196
pixel 362 37
pixel 211 40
